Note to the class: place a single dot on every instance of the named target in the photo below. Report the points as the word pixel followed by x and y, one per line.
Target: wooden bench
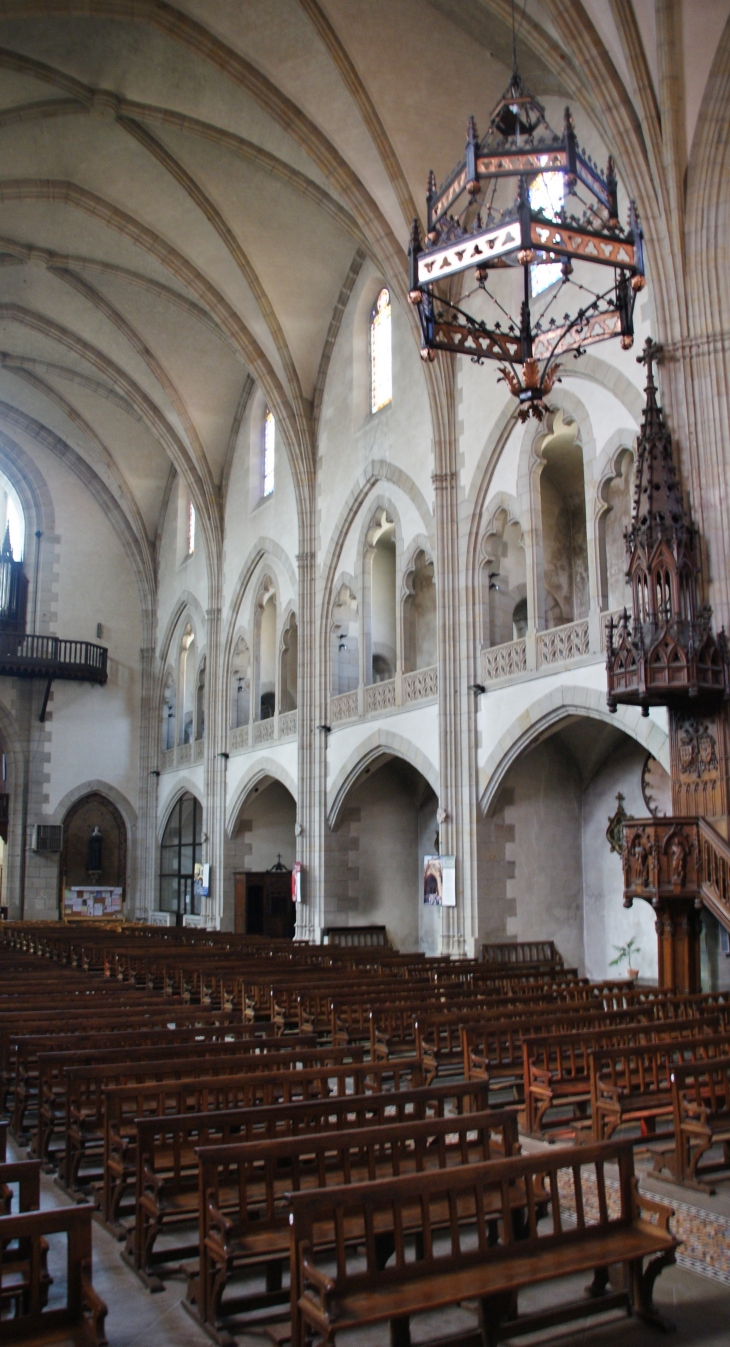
pixel 87 1086
pixel 557 1073
pixel 53 1068
pixel 244 1226
pixel 124 1105
pixel 583 1237
pixel 633 1084
pixel 167 1160
pixel 24 1073
pixel 701 1115
pixel 23 1248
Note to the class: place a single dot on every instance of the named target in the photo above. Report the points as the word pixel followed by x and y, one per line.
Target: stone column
pixel 456 923
pixel 216 746
pixel 312 711
pixel 144 901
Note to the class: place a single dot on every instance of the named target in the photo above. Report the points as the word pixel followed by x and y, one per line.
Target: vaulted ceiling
pixel 185 189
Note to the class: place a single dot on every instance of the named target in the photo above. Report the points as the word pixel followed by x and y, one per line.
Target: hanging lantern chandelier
pixel 565 212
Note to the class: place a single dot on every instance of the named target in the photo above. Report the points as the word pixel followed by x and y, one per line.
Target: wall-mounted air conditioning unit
pixel 47 838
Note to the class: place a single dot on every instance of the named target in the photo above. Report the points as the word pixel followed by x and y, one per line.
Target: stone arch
pixel 37 505
pixel 97 799
pixel 381 742
pixel 263 769
pixel 555 706
pixel 183 786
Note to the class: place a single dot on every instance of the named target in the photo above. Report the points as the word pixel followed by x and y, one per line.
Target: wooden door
pixel 279 906
pixel 239 904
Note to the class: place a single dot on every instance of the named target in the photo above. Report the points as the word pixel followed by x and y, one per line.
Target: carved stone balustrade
pixel 393 694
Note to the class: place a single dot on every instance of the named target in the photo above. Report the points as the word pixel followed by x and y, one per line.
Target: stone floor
pixel 699 1305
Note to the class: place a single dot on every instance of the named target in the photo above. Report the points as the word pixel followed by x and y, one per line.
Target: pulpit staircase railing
pixel 714 871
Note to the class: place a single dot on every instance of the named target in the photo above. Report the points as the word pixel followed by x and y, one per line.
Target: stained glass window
pixel 269 451
pixel 191 529
pixel 381 369
pixel 546 195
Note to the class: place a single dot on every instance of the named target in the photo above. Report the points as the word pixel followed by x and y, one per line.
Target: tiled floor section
pixel 699 1306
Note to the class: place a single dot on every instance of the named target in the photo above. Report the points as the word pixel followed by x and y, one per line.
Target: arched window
pixel 180 852
pixel 269 453
pixel 546 195
pixel 381 364
pixel 13 582
pixel 191 528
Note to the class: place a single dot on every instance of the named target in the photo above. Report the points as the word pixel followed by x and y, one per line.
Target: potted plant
pixel 625 953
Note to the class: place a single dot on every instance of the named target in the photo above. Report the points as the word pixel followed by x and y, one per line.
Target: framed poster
pixel 296 882
pixel 439 881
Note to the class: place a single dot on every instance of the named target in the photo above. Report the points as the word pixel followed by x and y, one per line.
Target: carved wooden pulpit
pixel 665 654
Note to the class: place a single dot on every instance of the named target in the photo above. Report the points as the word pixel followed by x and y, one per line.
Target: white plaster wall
pixel 95 730
pixel 608 923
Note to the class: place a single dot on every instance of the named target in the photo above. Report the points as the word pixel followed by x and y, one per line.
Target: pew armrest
pixel 653 1206
pixel 96 1310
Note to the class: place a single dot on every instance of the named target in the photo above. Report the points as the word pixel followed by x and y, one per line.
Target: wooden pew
pixel 633 1084
pixel 244 1224
pixel 53 1067
pixel 27 1050
pixel 701 1118
pixel 88 1086
pixel 113 1136
pixel 328 1300
pixel 23 1238
pixel 167 1159
pixel 557 1074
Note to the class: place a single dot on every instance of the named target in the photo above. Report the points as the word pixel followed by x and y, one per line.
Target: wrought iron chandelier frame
pixel 521 144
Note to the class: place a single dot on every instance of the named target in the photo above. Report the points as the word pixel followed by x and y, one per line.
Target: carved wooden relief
pixel 699 759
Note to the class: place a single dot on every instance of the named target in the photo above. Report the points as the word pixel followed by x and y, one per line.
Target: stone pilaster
pixel 312 757
pixel 141 903
pixel 216 746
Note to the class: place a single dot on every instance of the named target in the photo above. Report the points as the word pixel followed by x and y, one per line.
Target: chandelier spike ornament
pixel 514 203
pixel 665 652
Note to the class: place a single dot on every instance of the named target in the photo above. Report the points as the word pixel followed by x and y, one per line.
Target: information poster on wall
pixel 439 881
pixel 83 901
pixel 296 882
pixel 201 880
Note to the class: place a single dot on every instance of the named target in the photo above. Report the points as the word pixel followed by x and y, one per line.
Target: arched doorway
pixel 91 812
pixel 261 854
pixel 180 851
pixel 386 825
pixel 545 867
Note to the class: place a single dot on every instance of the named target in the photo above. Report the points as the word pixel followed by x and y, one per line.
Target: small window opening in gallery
pixel 168 716
pixel 419 615
pixel 191 528
pixel 617 495
pixel 503 582
pixel 269 454
pixel 563 517
pixel 267 654
pixel 200 703
pixel 180 852
pixel 288 665
pixel 187 684
pixel 547 196
pixel 381 366
pixel 383 623
pixel 240 685
pixel 345 642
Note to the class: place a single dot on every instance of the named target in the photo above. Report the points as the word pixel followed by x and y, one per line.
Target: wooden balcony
pixel 50 657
